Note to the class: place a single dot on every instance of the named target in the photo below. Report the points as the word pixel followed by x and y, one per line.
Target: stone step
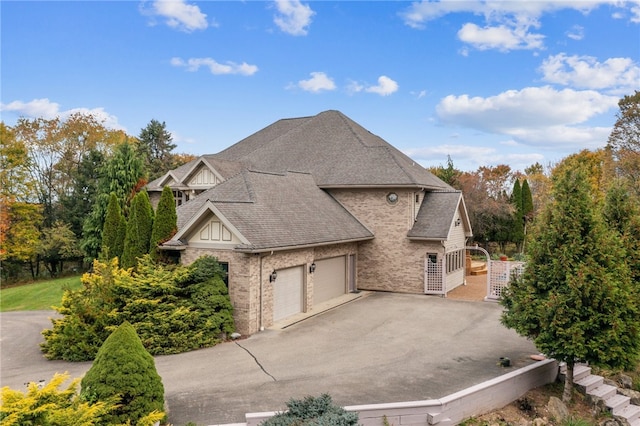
pixel 590 382
pixel 630 413
pixel 604 391
pixel 580 371
pixel 617 402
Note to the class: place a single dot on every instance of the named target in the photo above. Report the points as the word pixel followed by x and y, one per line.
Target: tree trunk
pixel 567 394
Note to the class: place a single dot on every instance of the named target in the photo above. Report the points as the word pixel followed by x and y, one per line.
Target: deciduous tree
pixel 624 140
pixel 57 245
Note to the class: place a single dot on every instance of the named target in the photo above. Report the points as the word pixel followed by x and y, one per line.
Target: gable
pixel 211 230
pixel 203 177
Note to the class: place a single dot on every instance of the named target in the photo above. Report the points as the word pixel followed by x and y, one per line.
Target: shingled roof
pixel 273 211
pixel 336 150
pixel 436 214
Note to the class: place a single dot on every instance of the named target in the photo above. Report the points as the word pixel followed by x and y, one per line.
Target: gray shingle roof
pixel 435 216
pixel 336 150
pixel 278 211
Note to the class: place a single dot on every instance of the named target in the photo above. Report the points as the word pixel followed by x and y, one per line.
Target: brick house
pixel 309 210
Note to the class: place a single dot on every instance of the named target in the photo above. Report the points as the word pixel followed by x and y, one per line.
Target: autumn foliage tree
pixel 624 141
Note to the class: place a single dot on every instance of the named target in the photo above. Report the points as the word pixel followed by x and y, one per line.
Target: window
pixel 455 260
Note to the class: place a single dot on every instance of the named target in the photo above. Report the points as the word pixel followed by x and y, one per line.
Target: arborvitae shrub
pixel 123 369
pixel 165 223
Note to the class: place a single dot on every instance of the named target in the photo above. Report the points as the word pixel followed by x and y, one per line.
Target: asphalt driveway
pixel 383 347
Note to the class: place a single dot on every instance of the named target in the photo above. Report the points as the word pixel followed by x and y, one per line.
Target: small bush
pixel 312 411
pixel 124 371
pixel 50 405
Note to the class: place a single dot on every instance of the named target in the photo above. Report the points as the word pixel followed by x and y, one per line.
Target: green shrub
pixel 51 406
pixel 312 411
pixel 173 309
pixel 123 370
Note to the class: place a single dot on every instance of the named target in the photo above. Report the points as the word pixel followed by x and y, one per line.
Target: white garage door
pixel 329 279
pixel 287 293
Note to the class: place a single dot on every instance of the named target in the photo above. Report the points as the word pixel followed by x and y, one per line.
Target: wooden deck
pixel 475 290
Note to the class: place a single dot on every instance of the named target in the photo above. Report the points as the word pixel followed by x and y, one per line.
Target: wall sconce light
pixel 273 276
pixel 312 268
pixel 458 222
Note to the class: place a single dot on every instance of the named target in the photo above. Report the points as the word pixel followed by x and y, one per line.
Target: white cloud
pixel 470 157
pixel 44 108
pixel 507 24
pixel 500 37
pixel 293 17
pixel 576 32
pixel 618 75
pixel 540 116
pixel 216 68
pixel 385 86
pixel 179 14
pixel 318 82
pixel 354 87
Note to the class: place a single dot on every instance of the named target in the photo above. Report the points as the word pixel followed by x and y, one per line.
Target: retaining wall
pixel 454 408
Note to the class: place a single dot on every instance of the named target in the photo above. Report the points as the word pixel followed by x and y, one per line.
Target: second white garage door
pixel 329 279
pixel 287 293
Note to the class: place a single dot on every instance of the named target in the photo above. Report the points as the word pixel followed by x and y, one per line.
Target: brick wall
pixel 246 271
pixel 389 262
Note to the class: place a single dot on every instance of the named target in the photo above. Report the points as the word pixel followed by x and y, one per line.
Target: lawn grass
pixel 41 295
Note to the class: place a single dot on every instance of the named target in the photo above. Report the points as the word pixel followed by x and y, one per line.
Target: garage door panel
pixel 329 279
pixel 287 293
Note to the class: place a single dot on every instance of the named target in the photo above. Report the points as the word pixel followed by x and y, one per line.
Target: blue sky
pixel 487 83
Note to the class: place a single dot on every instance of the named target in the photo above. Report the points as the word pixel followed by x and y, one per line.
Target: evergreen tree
pixel 165 223
pixel 527 200
pixel 125 370
pixel 575 299
pixel 155 148
pixel 517 226
pixel 139 226
pixel 111 246
pixel 123 174
pixel 622 213
pixel 527 210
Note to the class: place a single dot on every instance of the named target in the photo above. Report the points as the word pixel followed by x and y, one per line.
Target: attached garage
pixel 329 279
pixel 288 293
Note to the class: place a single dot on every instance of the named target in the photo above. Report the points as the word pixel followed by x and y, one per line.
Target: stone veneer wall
pixel 389 262
pixel 247 270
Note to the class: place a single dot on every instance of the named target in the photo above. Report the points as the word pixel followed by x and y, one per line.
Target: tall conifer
pixel 165 222
pixel 575 299
pixel 139 225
